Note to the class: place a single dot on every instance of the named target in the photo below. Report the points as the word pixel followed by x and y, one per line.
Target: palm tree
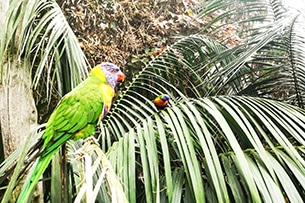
pixel 234 131
pixel 38 51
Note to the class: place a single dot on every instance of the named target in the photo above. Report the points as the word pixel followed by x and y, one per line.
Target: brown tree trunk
pixel 17 107
pixel 18 113
pixel 3 8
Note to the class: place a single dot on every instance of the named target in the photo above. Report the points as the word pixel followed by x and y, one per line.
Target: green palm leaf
pixel 37 33
pixel 222 144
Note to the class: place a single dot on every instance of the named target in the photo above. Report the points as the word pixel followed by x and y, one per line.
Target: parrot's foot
pixel 92 140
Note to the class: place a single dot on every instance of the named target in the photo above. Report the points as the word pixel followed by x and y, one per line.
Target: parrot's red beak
pixel 121 76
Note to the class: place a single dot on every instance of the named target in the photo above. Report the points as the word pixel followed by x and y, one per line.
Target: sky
pixel 296 4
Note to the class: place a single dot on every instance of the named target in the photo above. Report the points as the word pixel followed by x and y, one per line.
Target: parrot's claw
pixel 92 140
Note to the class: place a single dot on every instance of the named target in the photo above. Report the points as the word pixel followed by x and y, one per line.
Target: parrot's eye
pixel 113 70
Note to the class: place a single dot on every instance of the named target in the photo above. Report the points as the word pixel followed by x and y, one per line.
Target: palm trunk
pixel 18 112
pixel 17 108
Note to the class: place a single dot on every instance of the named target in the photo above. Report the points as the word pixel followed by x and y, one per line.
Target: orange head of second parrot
pixel 161 101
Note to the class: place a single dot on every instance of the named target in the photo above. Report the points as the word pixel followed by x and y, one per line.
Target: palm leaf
pixel 268 63
pixel 38 38
pixel 16 162
pixel 247 157
pixel 94 178
pixel 38 33
pixel 249 17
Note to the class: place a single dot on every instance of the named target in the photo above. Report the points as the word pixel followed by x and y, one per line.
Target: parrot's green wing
pixel 75 117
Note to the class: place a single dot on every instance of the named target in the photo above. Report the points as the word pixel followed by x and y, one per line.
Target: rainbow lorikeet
pixel 75 117
pixel 161 101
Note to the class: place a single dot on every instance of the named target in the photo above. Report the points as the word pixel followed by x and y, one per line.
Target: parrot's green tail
pixel 40 167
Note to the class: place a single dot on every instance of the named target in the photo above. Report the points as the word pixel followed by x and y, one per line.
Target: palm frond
pixel 296 45
pixel 268 61
pixel 38 33
pixel 200 66
pixel 175 72
pixel 15 163
pixel 248 17
pixel 195 66
pixel 93 175
pixel 222 144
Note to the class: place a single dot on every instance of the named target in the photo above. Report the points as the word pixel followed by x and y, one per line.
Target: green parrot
pixel 75 117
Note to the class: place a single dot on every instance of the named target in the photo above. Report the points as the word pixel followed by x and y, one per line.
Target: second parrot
pixel 161 101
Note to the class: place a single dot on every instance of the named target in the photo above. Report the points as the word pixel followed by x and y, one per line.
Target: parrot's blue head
pixel 113 73
pixel 165 97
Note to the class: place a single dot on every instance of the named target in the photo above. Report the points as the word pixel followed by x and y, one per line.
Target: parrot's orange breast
pixel 159 102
